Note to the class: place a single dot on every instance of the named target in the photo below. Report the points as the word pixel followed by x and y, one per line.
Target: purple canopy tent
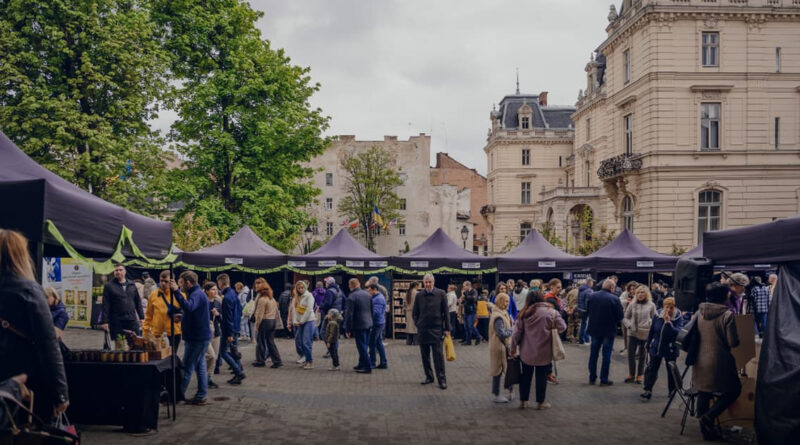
pixel 777 404
pixel 244 250
pixel 536 254
pixel 440 251
pixel 627 254
pixel 56 213
pixel 343 252
pixel 698 252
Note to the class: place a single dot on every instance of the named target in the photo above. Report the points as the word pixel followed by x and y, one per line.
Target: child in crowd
pixel 333 319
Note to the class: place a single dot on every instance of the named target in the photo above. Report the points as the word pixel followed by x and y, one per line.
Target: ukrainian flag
pixel 376 215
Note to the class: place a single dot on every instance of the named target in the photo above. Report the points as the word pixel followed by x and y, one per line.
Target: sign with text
pixel 72 279
pixel 326 263
pixel 547 264
pixel 644 264
pixel 354 263
pixel 234 260
pixel 419 264
pixel 470 265
pixel 378 263
pixel 297 264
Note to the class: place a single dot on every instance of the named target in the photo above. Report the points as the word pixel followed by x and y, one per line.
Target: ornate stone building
pixel 690 122
pixel 425 207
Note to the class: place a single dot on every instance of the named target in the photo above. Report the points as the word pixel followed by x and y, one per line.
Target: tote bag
pixel 449 349
pixel 558 348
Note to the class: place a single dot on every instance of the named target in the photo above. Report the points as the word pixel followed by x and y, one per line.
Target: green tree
pixel 79 81
pixel 549 233
pixel 244 121
pixel 192 233
pixel 371 178
pixel 593 239
pixel 677 250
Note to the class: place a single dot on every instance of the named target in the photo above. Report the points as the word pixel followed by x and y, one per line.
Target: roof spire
pixel 517 81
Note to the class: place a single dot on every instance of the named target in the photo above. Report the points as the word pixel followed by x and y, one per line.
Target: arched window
pixel 709 211
pixel 627 213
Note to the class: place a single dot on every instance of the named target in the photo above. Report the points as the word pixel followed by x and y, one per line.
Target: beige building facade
pixel 424 207
pixel 689 122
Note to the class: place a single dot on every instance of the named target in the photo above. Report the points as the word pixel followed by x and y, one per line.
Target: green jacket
pixel 332 332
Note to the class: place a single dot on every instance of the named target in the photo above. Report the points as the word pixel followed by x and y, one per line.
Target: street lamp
pixel 576 230
pixel 464 235
pixel 309 233
pixel 483 244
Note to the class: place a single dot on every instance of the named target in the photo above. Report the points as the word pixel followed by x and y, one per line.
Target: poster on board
pixel 72 279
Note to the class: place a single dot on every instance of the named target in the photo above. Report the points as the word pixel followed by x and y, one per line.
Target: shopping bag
pixel 249 308
pixel 449 349
pixel 558 348
pixel 513 372
pixel 62 423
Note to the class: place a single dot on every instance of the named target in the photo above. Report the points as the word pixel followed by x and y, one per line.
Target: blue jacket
pixel 512 306
pixel 358 314
pixel 196 315
pixel 231 313
pixel 584 292
pixel 661 339
pixel 378 309
pixel 605 313
pixel 332 300
pixel 60 316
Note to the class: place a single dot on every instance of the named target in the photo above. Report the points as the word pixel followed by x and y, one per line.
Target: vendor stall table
pixel 126 394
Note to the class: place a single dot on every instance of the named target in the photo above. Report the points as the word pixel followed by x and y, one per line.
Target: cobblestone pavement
pixel 290 405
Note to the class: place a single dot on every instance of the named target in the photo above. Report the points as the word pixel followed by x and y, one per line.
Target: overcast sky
pixel 402 67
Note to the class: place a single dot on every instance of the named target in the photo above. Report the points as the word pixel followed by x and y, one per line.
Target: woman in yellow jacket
pixel 157 317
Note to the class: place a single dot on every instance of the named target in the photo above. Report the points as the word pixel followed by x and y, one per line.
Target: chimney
pixel 543 98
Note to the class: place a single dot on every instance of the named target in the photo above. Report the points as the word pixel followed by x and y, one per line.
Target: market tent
pixel 243 251
pixel 627 254
pixel 536 254
pixel 777 406
pixel 439 253
pixel 698 252
pixel 50 210
pixel 342 252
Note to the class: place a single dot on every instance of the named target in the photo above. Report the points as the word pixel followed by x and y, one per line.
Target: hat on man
pixel 739 279
pixel 330 280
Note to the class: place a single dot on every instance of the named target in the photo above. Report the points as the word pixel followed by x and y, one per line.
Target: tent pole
pixel 37 253
pixel 172 346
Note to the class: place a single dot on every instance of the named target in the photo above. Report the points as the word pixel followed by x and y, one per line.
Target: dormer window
pixel 526 122
pixel 525 113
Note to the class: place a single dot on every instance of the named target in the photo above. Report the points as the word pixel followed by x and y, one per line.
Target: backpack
pixel 338 300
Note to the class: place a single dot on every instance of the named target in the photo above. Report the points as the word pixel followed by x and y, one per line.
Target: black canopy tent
pixel 627 254
pixel 698 252
pixel 342 252
pixel 439 253
pixel 61 219
pixel 536 255
pixel 777 405
pixel 243 251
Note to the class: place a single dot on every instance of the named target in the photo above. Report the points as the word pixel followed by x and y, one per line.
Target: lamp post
pixel 483 244
pixel 309 233
pixel 575 232
pixel 464 235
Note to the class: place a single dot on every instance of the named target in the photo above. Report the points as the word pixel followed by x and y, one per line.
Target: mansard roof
pixel 553 117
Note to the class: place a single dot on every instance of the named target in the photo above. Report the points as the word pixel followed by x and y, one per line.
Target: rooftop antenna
pixel 517 81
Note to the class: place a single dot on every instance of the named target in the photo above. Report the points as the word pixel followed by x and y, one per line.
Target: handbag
pixel 36 431
pixel 689 340
pixel 558 348
pixel 249 308
pixel 62 423
pixel 449 349
pixel 513 371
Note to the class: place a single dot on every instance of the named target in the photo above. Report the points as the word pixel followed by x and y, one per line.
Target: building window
pixel 560 160
pixel 401 229
pixel 524 230
pixel 708 212
pixel 328 203
pixel 710 49
pixel 526 122
pixel 627 213
pixel 777 132
pixel 777 60
pixel 402 203
pixel 526 156
pixel 526 193
pixel 588 167
pixel 329 229
pixel 709 126
pixel 628 125
pixel 315 229
pixel 329 179
pixel 588 128
pixel 627 65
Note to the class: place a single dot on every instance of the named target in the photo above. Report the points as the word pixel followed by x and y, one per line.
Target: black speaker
pixel 692 275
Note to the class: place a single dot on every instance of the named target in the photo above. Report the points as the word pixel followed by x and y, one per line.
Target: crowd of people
pixel 523 323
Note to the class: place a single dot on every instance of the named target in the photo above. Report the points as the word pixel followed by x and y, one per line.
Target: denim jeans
pixel 376 345
pixel 194 359
pixel 469 328
pixel 761 322
pixel 607 343
pixel 224 352
pixel 305 333
pixel 362 345
pixel 583 337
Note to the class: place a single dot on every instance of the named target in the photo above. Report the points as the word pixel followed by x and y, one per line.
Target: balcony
pixel 619 165
pixel 569 192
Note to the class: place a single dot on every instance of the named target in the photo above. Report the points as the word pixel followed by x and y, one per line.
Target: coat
pixel 121 303
pixel 267 309
pixel 662 336
pixel 231 312
pixel 497 346
pixel 24 306
pixel 358 315
pixel 605 312
pixel 196 315
pixel 60 315
pixel 534 337
pixel 715 370
pixel 639 318
pixel 411 326
pixel 157 317
pixel 431 316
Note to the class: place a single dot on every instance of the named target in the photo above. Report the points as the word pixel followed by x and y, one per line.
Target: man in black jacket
pixel 122 305
pixel 470 297
pixel 358 319
pixel 433 324
pixel 605 312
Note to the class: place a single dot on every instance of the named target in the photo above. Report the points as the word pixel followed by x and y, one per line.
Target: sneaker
pixel 383 366
pixel 552 379
pixel 543 405
pixel 500 399
pixel 236 380
pixel 334 368
pixel 198 401
pixel 212 385
pixel 301 361
pixel 630 379
pixel 276 365
pixel 259 364
pixel 646 395
pixel 607 383
pixel 308 366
